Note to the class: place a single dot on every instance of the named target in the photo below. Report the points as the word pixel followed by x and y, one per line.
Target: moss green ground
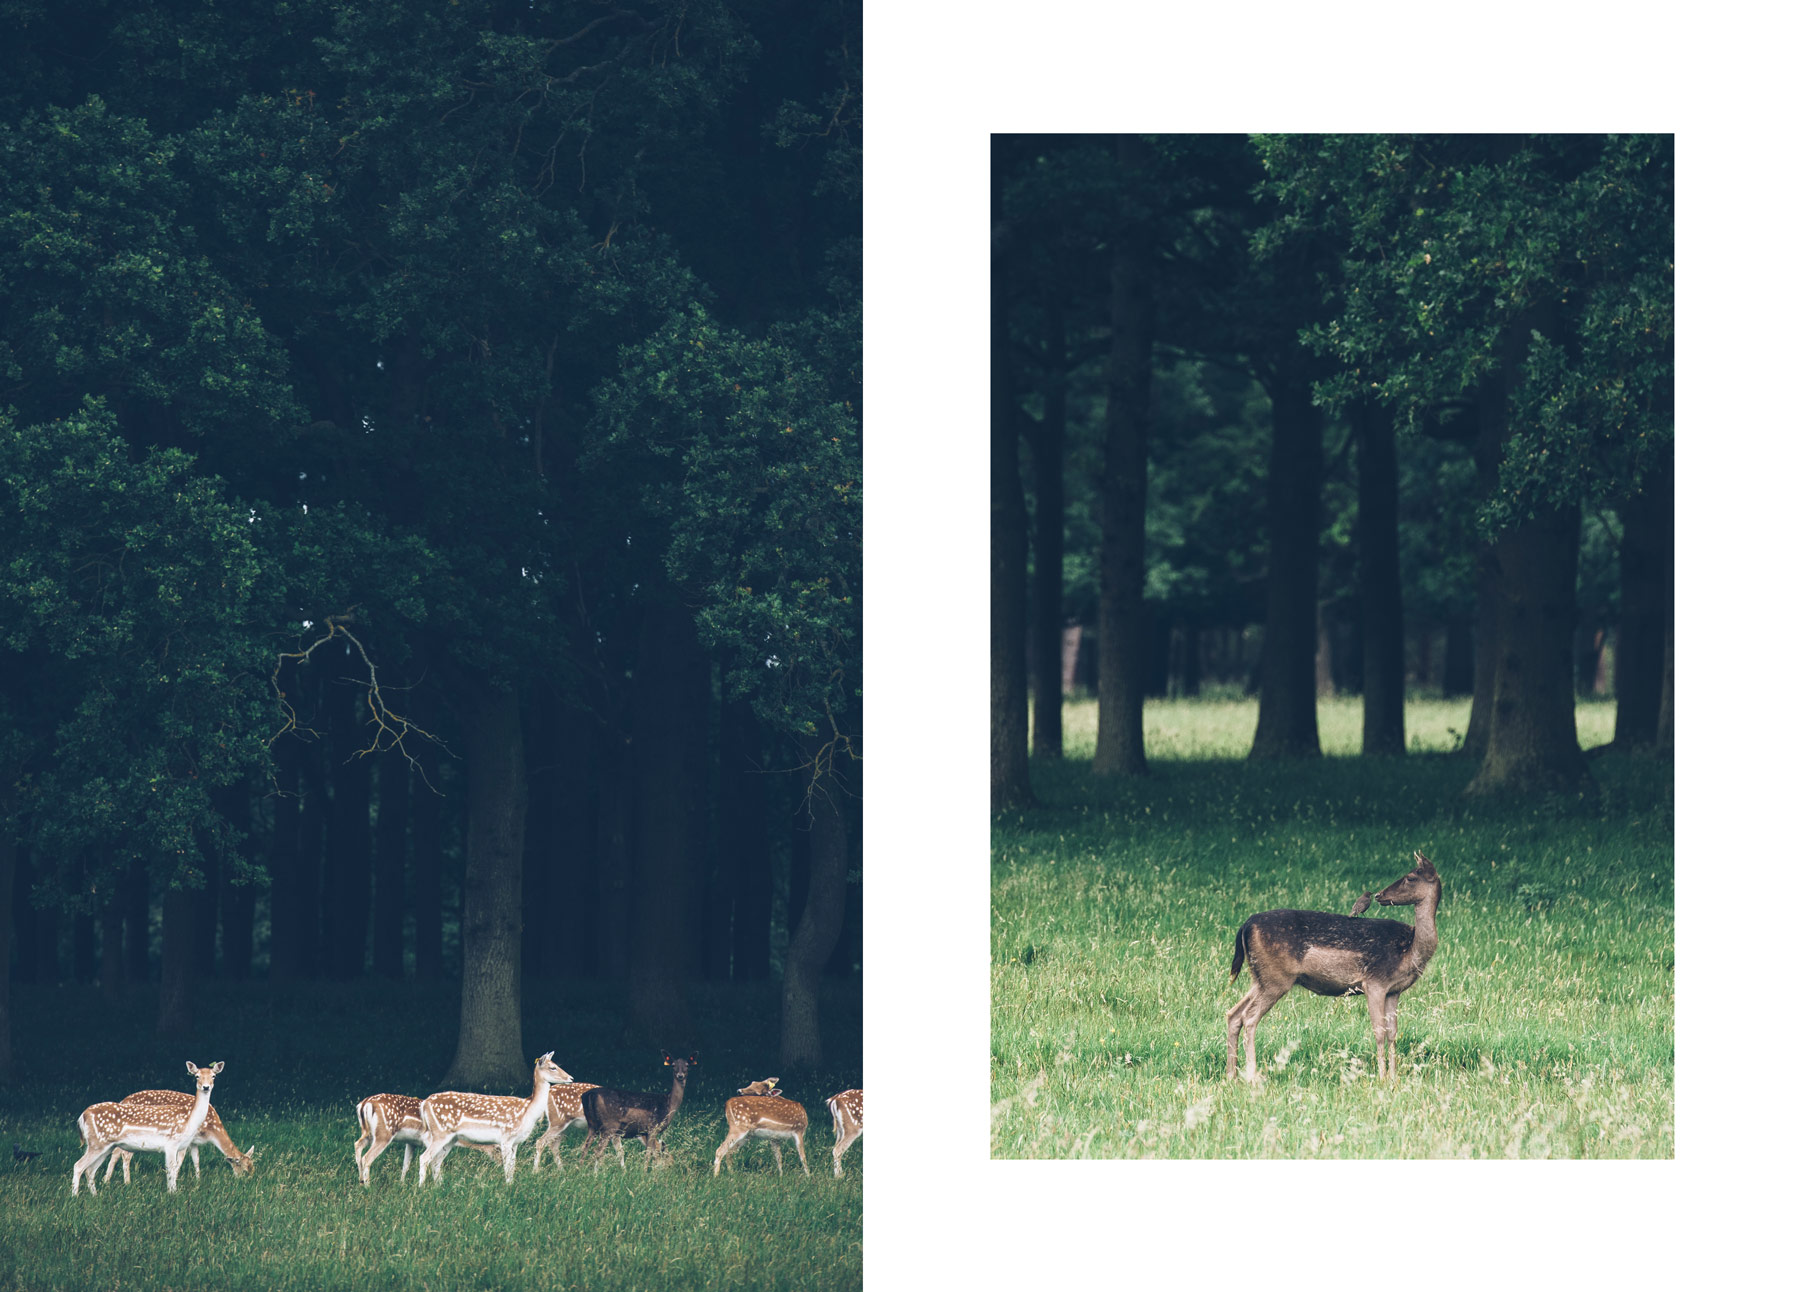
pixel 1544 1026
pixel 296 1061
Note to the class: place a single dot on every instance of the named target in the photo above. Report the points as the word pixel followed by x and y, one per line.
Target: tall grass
pixel 1542 1028
pixel 297 1061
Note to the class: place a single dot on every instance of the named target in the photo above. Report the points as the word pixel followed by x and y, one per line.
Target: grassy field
pixel 297 1061
pixel 1544 1026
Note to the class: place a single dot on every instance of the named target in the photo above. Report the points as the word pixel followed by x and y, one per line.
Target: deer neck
pixel 196 1116
pixel 534 1109
pixel 677 1089
pixel 1425 935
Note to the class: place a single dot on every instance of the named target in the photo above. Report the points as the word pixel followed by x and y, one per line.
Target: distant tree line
pixel 430 462
pixel 1320 413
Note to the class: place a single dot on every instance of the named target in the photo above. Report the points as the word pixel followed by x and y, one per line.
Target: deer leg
pixel 1262 1000
pixel 432 1154
pixel 732 1140
pixel 800 1150
pixel 88 1165
pixel 172 1164
pixel 776 1150
pixel 1378 1020
pixel 1234 1023
pixel 1393 1033
pixel 119 1158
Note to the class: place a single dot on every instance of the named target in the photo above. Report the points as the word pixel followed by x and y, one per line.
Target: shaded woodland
pixel 1311 415
pixel 430 450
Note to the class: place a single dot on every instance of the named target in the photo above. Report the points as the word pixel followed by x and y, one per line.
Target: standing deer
pixel 454 1117
pixel 212 1131
pixel 1336 955
pixel 758 1114
pixel 394 1119
pixel 846 1120
pixel 564 1111
pixel 618 1115
pixel 141 1127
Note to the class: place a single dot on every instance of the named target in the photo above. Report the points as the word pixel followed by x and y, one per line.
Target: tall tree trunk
pixel 1009 773
pixel 669 741
pixel 817 932
pixel 1490 439
pixel 744 839
pixel 428 872
pixel 309 865
pixel 1459 656
pixel 347 863
pixel 1047 485
pixel 1119 742
pixel 574 842
pixel 490 1048
pixel 1645 549
pixel 1532 744
pixel 1287 716
pixel 1378 570
pixel 287 940
pixel 394 809
pixel 9 857
pixel 237 902
pixel 175 1007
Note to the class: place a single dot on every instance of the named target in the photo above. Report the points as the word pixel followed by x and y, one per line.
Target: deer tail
pixel 1242 947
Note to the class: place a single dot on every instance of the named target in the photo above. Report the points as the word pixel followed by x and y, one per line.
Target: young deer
pixel 846 1120
pixel 564 1112
pixel 143 1126
pixel 394 1119
pixel 453 1117
pixel 759 1114
pixel 212 1131
pixel 1336 955
pixel 618 1115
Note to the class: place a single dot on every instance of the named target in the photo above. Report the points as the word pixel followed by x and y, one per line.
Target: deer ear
pixel 191 1068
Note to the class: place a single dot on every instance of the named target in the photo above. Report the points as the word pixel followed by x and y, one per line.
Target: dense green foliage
pixel 1543 1027
pixel 303 1221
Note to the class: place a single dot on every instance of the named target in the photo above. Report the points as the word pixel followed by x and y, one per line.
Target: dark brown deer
pixel 1336 955
pixel 618 1115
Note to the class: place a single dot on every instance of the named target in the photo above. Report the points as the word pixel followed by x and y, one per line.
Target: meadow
pixel 297 1060
pixel 1543 1027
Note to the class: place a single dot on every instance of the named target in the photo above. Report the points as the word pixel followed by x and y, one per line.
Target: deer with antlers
pixel 1336 955
pixel 212 1131
pixel 618 1115
pixel 394 1119
pixel 759 1112
pixel 141 1127
pixel 846 1120
pixel 454 1117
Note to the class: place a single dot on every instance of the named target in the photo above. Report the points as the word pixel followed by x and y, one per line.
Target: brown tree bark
pixel 1532 745
pixel 1378 571
pixel 1287 715
pixel 428 872
pixel 175 1004
pixel 669 743
pixel 1009 772
pixel 814 937
pixel 394 809
pixel 490 1046
pixel 1047 485
pixel 1119 741
pixel 1646 547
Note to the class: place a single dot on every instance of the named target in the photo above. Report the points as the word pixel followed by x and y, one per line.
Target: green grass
pixel 1543 1027
pixel 297 1061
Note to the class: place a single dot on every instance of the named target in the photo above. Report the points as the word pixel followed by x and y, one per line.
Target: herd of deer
pixel 177 1124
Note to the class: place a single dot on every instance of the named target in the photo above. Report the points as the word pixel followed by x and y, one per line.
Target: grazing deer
pixel 1336 955
pixel 618 1115
pixel 453 1117
pixel 212 1131
pixel 394 1119
pixel 564 1111
pixel 141 1127
pixel 846 1120
pixel 757 1114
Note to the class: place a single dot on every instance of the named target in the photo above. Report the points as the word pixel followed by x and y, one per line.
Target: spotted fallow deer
pixel 454 1117
pixel 141 1127
pixel 394 1119
pixel 758 1114
pixel 614 1116
pixel 212 1131
pixel 1336 955
pixel 846 1120
pixel 563 1112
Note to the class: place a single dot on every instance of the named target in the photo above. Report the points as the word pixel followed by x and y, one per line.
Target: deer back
pixel 1321 950
pixel 634 1111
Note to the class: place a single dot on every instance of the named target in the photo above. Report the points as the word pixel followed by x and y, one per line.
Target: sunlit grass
pixel 1542 1028
pixel 297 1062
